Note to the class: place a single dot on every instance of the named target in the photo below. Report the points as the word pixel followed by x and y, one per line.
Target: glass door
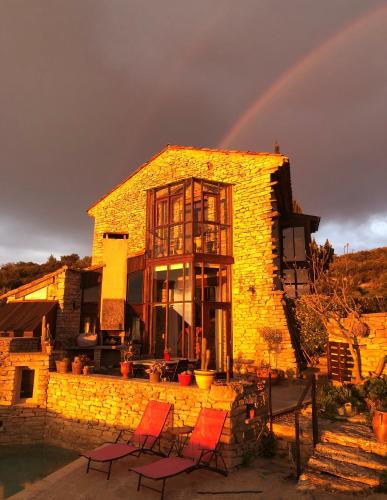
pixel 217 331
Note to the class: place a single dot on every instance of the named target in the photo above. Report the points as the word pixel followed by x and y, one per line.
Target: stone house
pixel 195 243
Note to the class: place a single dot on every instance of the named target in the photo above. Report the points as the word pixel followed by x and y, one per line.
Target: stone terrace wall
pixel 372 347
pixel 84 411
pixel 255 234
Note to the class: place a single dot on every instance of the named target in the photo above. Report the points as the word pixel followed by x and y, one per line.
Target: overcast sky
pixel 91 89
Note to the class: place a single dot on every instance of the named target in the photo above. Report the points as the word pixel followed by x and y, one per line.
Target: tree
pixel 331 300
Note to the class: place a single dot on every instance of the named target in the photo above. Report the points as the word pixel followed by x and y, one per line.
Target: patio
pixel 263 479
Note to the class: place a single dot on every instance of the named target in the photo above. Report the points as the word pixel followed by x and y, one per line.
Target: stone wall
pixel 9 364
pixel 69 310
pixel 64 286
pixel 255 234
pixel 21 421
pixel 372 347
pixel 84 411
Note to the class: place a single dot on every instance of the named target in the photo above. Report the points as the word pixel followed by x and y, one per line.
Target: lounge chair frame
pixel 139 449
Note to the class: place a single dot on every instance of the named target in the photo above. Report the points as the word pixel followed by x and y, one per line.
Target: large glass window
pixel 172 309
pixel 190 216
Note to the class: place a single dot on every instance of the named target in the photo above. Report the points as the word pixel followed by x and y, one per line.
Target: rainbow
pixel 295 71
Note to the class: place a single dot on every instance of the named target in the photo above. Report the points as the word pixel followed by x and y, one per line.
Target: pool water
pixel 22 465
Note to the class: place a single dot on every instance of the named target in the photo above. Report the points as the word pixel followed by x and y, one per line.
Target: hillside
pixel 368 269
pixel 15 274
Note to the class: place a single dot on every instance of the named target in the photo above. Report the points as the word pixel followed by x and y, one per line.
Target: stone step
pixel 354 435
pixel 352 455
pixel 313 480
pixel 352 472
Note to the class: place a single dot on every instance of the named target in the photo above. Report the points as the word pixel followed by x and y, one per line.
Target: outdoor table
pixel 178 434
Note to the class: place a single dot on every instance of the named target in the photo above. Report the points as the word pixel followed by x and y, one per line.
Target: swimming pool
pixel 22 465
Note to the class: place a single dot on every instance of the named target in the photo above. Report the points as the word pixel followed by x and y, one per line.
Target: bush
pixel 330 398
pixel 267 446
pixel 375 389
pixel 313 334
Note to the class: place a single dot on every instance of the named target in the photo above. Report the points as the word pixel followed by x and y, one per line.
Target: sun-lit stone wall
pixel 21 422
pixel 373 346
pixel 84 411
pixel 255 234
pixel 66 289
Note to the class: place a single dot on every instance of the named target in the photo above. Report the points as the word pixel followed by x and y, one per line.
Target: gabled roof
pixel 188 148
pixel 47 279
pixel 25 315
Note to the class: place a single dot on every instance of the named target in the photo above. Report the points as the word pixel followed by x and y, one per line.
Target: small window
pixel 26 383
pixel 115 236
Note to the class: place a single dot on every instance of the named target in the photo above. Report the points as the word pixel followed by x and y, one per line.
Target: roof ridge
pixel 33 282
pixel 178 147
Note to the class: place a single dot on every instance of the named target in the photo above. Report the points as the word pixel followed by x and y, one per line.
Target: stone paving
pixel 266 479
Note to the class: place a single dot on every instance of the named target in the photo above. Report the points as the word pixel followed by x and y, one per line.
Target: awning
pixel 24 315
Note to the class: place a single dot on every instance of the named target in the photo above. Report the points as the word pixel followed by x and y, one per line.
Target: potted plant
pixel 185 378
pixel 62 365
pixel 375 392
pixel 154 371
pixel 273 339
pixel 204 377
pixel 76 366
pixel 126 366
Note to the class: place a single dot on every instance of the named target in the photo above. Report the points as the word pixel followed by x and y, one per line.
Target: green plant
pixel 375 390
pixel 267 445
pixel 273 339
pixel 313 334
pixel 329 398
pixel 155 368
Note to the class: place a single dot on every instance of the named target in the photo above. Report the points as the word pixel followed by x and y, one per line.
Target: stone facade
pixel 80 412
pixel 373 346
pixel 64 286
pixel 84 411
pixel 22 421
pixel 255 227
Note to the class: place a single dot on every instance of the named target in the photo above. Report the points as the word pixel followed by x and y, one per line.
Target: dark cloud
pixel 90 90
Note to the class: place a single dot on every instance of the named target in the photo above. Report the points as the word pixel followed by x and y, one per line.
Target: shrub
pixel 313 334
pixel 267 446
pixel 375 389
pixel 329 398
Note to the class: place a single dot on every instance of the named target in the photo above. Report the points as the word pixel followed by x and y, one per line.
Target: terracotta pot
pixel 76 368
pixel 126 368
pixel 154 378
pixel 185 378
pixel 379 424
pixel 204 378
pixel 62 366
pixel 264 374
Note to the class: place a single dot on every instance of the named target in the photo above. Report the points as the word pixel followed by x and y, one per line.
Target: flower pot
pixel 185 378
pixel 379 425
pixel 76 368
pixel 263 373
pixel 204 378
pixel 62 366
pixel 126 368
pixel 154 378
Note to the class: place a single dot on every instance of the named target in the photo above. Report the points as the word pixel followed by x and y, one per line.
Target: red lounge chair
pixel 201 449
pixel 143 440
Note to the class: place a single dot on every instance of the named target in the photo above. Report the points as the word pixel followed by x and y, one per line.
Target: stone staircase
pixel 347 460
